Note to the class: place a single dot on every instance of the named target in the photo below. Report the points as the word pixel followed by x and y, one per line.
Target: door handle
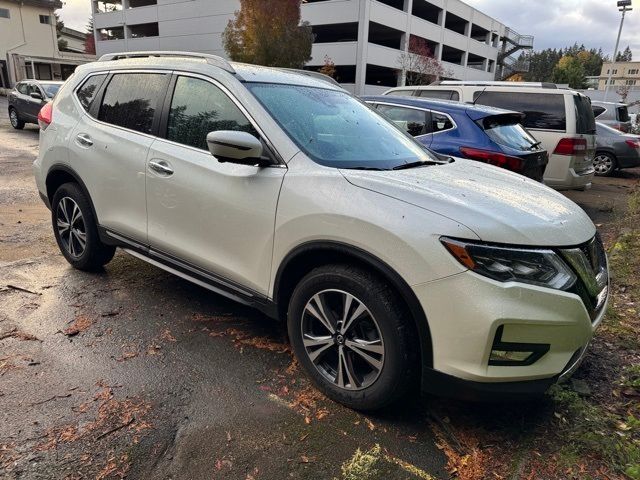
pixel 161 167
pixel 84 140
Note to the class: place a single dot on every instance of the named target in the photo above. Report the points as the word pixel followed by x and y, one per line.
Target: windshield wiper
pixel 372 169
pixel 535 145
pixel 421 163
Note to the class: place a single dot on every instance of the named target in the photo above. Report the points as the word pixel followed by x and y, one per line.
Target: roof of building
pixel 70 32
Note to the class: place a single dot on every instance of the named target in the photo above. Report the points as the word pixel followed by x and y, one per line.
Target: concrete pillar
pixel 363 45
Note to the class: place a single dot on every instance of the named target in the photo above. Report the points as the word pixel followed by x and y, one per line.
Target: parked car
pixel 479 133
pixel 561 119
pixel 26 100
pixel 282 191
pixel 615 115
pixel 615 150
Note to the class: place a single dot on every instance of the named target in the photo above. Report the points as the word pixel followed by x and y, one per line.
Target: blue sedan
pixel 475 132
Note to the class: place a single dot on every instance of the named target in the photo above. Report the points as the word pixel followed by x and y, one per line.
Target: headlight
pixel 535 267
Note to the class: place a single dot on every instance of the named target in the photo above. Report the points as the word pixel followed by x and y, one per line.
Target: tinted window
pixel 503 131
pixel 598 110
pixel 440 122
pixel 412 121
pixel 88 91
pixel 23 88
pixel 441 94
pixel 337 130
pixel 585 120
pixel 623 114
pixel 131 99
pixel 33 89
pixel 198 108
pixel 542 111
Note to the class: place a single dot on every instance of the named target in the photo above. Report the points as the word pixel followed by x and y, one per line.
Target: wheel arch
pixel 60 174
pixel 308 256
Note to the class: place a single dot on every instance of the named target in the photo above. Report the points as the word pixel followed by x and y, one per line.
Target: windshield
pixel 336 130
pixel 50 89
pixel 508 134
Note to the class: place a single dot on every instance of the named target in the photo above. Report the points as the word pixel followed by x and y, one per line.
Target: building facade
pixel 623 74
pixel 364 38
pixel 29 44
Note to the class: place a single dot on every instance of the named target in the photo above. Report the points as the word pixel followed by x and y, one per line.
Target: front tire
pixel 15 119
pixel 605 164
pixel 76 230
pixel 351 334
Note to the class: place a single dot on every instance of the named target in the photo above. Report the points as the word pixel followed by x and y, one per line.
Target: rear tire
pixel 76 229
pixel 353 337
pixel 605 164
pixel 15 119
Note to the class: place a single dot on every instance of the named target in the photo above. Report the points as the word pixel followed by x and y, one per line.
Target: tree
pixel 419 66
pixel 329 68
pixel 623 91
pixel 62 43
pixel 269 32
pixel 90 40
pixel 626 56
pixel 571 71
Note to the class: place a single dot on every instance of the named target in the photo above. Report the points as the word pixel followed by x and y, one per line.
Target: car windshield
pixel 50 89
pixel 505 132
pixel 337 130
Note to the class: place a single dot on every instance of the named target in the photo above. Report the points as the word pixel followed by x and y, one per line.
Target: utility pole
pixel 624 6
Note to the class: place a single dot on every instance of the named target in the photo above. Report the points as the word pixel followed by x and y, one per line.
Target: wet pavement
pixel 135 372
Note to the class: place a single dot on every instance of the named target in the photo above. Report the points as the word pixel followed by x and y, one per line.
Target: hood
pixel 498 205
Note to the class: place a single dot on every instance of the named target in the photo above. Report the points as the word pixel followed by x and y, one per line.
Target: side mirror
pixel 235 147
pixel 36 95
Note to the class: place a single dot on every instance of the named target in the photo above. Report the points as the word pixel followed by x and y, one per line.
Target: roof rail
pixel 475 83
pixel 313 74
pixel 211 59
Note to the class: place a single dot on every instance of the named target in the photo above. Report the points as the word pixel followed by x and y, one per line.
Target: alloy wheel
pixel 13 116
pixel 603 164
pixel 342 339
pixel 71 227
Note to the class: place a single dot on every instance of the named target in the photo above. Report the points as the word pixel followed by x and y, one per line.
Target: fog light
pixel 509 354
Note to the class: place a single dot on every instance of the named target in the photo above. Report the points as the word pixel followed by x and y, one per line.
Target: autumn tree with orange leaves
pixel 270 33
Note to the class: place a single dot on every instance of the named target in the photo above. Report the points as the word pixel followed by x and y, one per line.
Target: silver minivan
pixel 562 120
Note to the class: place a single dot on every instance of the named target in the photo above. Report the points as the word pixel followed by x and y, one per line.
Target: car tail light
pixel 571 146
pixel 45 117
pixel 633 143
pixel 498 159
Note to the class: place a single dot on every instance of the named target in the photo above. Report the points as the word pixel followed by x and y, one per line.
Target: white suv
pixel 284 192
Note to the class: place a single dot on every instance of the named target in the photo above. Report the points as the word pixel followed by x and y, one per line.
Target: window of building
pixel 455 23
pixel 412 121
pixel 339 32
pixel 542 111
pixel 399 4
pixel 615 71
pixel 452 55
pixel 142 3
pixel 198 108
pixel 114 33
pixel 131 99
pixel 88 91
pixel 45 19
pixel 5 13
pixel 106 6
pixel 144 30
pixel 427 11
pixel 385 36
pixel 631 82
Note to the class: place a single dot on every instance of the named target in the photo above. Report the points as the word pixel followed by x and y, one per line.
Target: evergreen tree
pixel 62 43
pixel 626 56
pixel 90 40
pixel 269 32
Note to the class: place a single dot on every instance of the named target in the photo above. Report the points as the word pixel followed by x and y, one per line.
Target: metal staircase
pixel 509 65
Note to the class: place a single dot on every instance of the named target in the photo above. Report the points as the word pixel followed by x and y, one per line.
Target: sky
pixel 554 23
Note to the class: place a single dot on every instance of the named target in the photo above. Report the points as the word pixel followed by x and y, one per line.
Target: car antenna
pixel 478 97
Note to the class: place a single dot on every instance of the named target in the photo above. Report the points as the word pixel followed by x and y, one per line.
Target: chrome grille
pixel 589 261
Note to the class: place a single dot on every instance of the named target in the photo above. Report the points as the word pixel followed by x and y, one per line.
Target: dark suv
pixel 27 98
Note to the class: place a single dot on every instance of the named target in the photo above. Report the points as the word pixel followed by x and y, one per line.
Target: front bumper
pixel 464 312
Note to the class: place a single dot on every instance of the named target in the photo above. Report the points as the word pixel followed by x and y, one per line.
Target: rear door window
pixel 132 99
pixel 585 120
pixel 598 110
pixel 87 93
pixel 441 94
pixel 542 111
pixel 412 121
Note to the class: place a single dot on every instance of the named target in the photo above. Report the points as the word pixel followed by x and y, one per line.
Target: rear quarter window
pixel 623 114
pixel 542 111
pixel 87 93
